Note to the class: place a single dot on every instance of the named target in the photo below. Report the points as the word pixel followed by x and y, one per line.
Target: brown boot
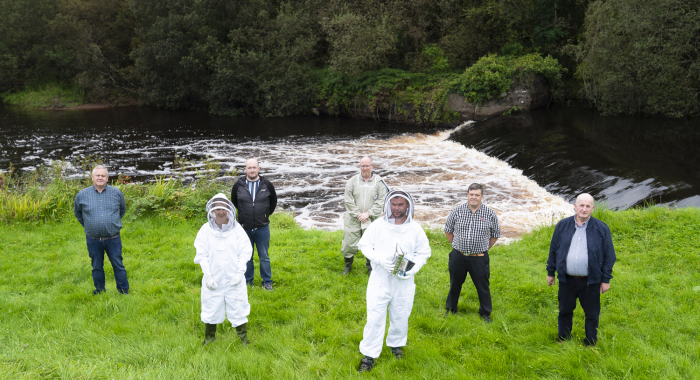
pixel 209 333
pixel 242 332
pixel 348 265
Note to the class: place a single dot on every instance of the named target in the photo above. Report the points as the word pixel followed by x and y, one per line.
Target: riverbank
pixel 311 324
pixel 57 96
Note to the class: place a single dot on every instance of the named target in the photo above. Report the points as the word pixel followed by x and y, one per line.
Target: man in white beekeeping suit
pixel 395 232
pixel 223 248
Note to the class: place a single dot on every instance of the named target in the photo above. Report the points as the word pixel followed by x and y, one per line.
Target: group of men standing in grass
pixel 581 252
pixel 379 222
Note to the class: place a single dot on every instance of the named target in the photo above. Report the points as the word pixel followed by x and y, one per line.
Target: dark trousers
pixel 478 269
pixel 589 296
pixel 113 247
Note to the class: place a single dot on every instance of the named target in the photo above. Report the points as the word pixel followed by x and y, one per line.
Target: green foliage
pixel 228 57
pixel 420 97
pixel 24 53
pixel 359 43
pixel 641 57
pixel 493 75
pixel 436 56
pixel 311 324
pixel 485 80
pixel 83 43
pixel 264 57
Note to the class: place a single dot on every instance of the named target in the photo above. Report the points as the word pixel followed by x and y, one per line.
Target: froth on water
pixel 310 177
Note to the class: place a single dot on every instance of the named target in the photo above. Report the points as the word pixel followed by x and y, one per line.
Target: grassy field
pixel 54 95
pixel 311 324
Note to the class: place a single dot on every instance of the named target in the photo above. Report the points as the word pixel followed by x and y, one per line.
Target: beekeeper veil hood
pixel 220 202
pixel 387 205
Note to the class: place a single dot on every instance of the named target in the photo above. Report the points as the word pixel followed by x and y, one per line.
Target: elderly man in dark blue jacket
pixel 583 255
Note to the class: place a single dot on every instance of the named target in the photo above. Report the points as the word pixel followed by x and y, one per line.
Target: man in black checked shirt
pixel 472 229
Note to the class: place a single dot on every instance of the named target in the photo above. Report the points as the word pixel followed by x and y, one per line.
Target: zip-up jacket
pixel 254 214
pixel 363 196
pixel 601 253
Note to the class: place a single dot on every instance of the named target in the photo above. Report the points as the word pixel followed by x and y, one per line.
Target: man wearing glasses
pixel 364 202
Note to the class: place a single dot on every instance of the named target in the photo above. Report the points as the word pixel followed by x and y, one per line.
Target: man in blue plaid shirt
pixel 100 209
pixel 472 229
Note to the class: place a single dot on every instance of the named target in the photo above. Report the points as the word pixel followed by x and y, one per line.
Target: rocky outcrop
pixel 523 95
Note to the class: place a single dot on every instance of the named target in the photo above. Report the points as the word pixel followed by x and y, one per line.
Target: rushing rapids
pixel 310 174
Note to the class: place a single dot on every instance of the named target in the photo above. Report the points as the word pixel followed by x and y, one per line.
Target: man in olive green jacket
pixel 364 202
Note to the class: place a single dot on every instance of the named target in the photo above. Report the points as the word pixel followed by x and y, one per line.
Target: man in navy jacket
pixel 583 256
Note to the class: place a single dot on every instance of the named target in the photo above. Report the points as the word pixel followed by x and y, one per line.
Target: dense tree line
pixel 271 57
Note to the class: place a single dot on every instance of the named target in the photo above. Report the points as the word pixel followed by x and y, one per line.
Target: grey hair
pixel 100 166
pixel 476 186
pixel 371 161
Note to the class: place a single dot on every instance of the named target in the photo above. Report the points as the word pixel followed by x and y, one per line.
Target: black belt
pixel 104 238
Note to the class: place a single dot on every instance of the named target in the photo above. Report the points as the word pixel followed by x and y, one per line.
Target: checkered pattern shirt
pixel 472 230
pixel 100 213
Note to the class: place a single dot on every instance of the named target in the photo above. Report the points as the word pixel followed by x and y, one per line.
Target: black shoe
pixel 348 265
pixel 366 364
pixel 397 352
pixel 267 286
pixel 486 318
pixel 449 312
pixel 124 291
pixel 209 333
pixel 98 291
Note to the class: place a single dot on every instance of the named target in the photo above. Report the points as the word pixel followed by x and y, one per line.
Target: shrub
pixel 493 75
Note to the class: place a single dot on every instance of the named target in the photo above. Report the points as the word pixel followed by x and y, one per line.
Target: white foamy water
pixel 310 177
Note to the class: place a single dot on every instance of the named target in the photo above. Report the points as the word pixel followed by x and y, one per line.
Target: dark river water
pixel 533 164
pixel 626 161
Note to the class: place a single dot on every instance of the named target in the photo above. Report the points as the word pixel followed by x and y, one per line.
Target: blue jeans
pixel 113 247
pixel 260 238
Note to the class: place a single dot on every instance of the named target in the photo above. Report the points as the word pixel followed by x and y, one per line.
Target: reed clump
pixel 48 192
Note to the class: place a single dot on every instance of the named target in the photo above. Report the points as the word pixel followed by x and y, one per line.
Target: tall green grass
pixel 311 324
pixel 47 95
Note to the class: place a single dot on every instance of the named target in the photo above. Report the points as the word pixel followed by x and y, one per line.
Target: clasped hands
pixel 363 217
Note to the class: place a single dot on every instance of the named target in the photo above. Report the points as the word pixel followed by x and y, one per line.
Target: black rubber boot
pixel 368 264
pixel 209 333
pixel 366 364
pixel 348 265
pixel 242 332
